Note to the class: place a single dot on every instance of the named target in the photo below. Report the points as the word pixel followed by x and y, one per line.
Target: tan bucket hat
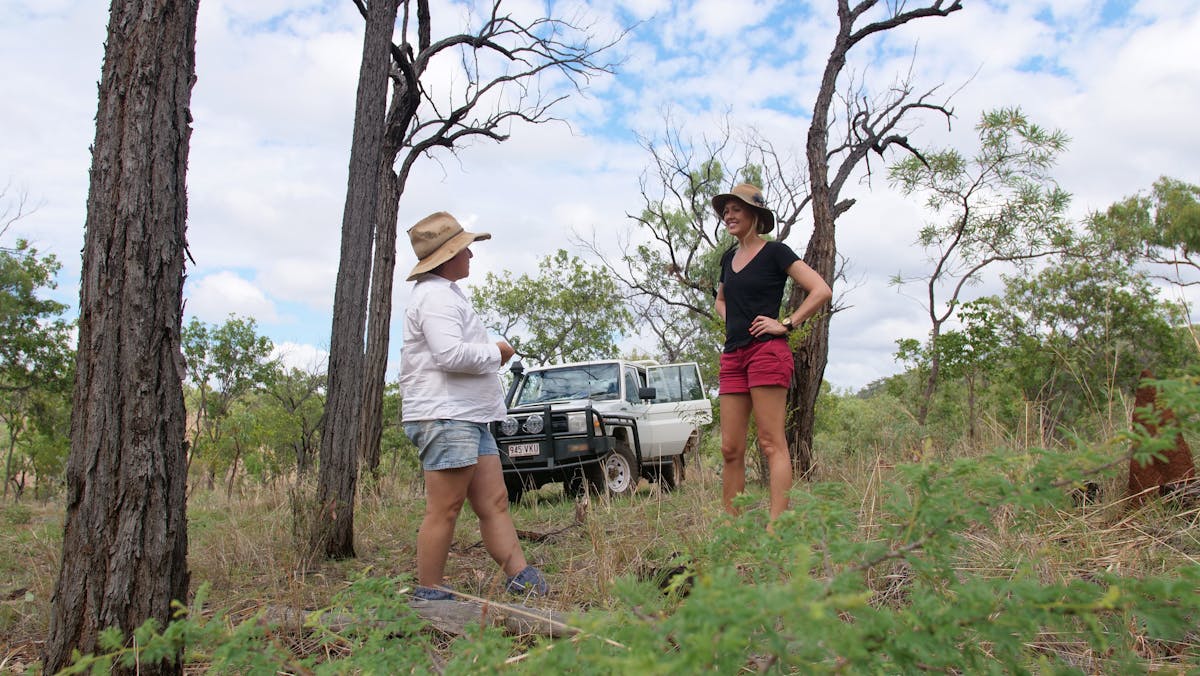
pixel 751 196
pixel 436 239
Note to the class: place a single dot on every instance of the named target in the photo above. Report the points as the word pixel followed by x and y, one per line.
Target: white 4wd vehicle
pixel 601 425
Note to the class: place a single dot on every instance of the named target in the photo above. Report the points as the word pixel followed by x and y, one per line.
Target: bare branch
pixel 11 212
pixel 423 29
pixel 420 121
pixel 872 127
pixel 898 17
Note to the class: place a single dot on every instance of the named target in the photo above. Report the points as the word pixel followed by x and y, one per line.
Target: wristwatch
pixel 787 323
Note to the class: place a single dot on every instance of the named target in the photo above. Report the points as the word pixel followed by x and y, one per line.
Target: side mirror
pixel 647 393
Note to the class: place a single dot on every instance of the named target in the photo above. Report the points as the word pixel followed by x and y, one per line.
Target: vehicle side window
pixel 677 382
pixel 631 386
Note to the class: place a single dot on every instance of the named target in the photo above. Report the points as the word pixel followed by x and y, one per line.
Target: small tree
pixel 971 353
pixel 247 429
pixel 224 364
pixel 48 438
pixel 1161 229
pixel 299 396
pixel 1082 330
pixel 569 312
pixel 1000 207
pixel 35 347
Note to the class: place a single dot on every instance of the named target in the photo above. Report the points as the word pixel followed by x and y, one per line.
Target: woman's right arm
pixel 720 304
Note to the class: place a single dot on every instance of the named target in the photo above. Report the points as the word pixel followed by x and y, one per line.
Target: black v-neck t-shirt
pixel 756 289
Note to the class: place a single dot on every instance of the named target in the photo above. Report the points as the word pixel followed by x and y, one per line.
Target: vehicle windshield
pixel 595 381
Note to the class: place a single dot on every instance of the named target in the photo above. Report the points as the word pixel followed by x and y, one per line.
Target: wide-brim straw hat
pixel 436 239
pixel 751 196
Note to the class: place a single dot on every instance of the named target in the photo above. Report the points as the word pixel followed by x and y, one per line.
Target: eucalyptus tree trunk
pixel 873 128
pixel 405 100
pixel 379 319
pixel 812 354
pixel 125 537
pixel 332 534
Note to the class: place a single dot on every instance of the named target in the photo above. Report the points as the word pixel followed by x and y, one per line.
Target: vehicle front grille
pixel 558 423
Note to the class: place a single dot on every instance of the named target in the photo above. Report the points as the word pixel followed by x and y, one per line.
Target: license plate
pixel 524 450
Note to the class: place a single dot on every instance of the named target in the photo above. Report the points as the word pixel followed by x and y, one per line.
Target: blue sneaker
pixel 432 594
pixel 528 582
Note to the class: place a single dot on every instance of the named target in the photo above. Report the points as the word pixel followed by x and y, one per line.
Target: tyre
pixel 618 472
pixel 593 478
pixel 671 474
pixel 516 487
pixel 576 484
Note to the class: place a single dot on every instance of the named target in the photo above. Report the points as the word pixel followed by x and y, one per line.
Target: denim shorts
pixel 449 444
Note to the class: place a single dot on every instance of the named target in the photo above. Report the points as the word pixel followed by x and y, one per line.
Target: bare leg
pixel 445 491
pixel 770 403
pixel 735 421
pixel 489 500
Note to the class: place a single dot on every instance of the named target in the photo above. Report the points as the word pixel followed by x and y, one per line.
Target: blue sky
pixel 274 99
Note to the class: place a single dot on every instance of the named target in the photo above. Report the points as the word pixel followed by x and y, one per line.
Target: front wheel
pixel 618 472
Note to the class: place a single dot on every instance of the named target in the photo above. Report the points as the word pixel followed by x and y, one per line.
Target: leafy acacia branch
pixel 630 272
pixel 687 174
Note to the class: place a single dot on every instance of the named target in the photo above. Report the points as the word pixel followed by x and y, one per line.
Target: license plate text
pixel 524 450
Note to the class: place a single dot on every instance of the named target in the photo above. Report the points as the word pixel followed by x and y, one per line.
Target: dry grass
pixel 30 544
pixel 246 549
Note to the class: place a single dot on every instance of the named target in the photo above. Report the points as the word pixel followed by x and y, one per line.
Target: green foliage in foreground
pixel 900 587
pixel 819 597
pixel 253 647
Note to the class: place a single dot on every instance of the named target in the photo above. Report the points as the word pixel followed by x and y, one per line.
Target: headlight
pixel 533 424
pixel 508 426
pixel 576 423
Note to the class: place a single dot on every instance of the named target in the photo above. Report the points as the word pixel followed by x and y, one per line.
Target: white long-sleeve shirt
pixel 449 368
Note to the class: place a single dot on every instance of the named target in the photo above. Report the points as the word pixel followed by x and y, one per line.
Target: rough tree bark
pixel 125 537
pixel 405 99
pixel 333 528
pixel 870 128
pixel 379 318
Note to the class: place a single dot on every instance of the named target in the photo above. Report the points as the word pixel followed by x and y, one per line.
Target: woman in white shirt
pixel 451 389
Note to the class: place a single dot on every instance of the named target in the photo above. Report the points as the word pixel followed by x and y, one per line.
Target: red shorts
pixel 759 364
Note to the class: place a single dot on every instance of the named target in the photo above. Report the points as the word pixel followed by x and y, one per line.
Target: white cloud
pixel 213 297
pixel 723 19
pixel 307 358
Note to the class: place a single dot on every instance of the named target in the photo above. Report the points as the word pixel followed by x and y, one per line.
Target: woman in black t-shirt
pixel 757 364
